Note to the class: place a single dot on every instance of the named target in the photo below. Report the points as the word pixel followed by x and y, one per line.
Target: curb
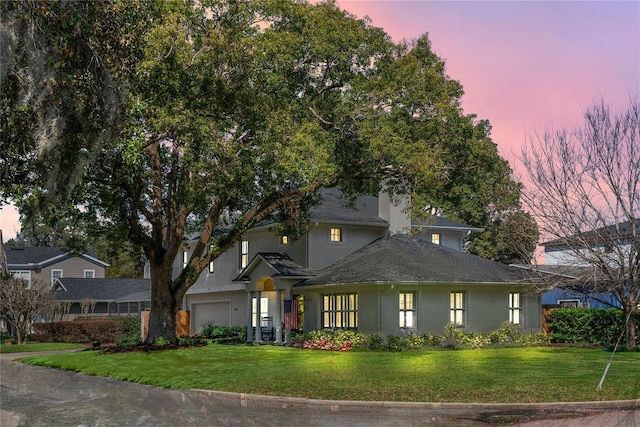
pixel 277 402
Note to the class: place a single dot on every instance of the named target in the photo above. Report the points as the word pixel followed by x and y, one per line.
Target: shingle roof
pixel 623 230
pixel 280 262
pixel 41 256
pixel 442 222
pixel 404 259
pixel 333 208
pixel 104 289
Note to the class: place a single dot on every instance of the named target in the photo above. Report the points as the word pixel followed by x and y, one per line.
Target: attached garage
pixel 218 313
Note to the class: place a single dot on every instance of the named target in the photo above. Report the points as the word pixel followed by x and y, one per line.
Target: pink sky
pixel 525 66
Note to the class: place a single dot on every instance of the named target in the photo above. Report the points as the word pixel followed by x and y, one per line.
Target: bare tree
pixel 21 303
pixel 584 192
pixel 57 311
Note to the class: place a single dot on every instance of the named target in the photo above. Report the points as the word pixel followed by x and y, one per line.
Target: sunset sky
pixel 526 66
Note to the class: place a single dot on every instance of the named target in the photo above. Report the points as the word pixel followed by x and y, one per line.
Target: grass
pixel 35 346
pixel 492 375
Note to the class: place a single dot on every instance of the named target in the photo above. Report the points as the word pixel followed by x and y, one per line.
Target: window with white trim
pixel 185 259
pixel 340 311
pixel 435 238
pixel 514 308
pixel 56 274
pixel 22 275
pixel 456 308
pixel 89 274
pixel 211 265
pixel 244 253
pixel 264 310
pixel 407 309
pixel 335 235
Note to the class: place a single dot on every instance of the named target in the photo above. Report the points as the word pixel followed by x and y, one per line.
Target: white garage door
pixel 218 313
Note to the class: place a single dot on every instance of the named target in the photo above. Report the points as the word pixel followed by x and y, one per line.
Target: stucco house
pixel 366 267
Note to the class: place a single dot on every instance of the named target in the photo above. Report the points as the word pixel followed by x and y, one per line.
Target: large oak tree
pixel 166 120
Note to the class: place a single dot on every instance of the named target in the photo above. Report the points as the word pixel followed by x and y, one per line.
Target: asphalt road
pixel 38 396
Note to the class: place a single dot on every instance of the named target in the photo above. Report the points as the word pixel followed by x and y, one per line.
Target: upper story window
pixel 211 266
pixel 514 308
pixel 89 274
pixel 456 308
pixel 407 310
pixel 335 235
pixel 22 275
pixel 56 274
pixel 185 259
pixel 284 240
pixel 244 253
pixel 435 238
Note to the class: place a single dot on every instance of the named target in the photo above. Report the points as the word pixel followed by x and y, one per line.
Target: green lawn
pixel 492 375
pixel 36 346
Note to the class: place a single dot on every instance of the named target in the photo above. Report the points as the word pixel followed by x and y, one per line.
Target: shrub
pixel 84 331
pixel 224 334
pixel 342 340
pixel 586 325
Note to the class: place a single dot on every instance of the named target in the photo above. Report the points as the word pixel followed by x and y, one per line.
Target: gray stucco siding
pixel 486 307
pixel 323 252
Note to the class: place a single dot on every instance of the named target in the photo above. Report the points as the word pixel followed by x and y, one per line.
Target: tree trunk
pixel 631 331
pixel 165 303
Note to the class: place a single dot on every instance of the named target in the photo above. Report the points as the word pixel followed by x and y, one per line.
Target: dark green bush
pixel 224 334
pixel 600 326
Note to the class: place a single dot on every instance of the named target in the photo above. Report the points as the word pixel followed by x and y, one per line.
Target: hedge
pixel 118 330
pixel 600 326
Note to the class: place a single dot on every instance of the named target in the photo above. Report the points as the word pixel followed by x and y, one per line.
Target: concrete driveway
pixel 38 396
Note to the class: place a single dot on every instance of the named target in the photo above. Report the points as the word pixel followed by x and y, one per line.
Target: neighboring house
pixel 561 260
pixel 356 268
pixel 49 263
pixel 117 296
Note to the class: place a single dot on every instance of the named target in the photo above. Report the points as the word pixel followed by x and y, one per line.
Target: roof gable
pixel 404 259
pixel 282 265
pixel 33 256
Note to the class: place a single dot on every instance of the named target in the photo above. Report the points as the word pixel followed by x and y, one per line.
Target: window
pixel 514 308
pixel 89 274
pixel 185 259
pixel 435 238
pixel 340 311
pixel 244 253
pixel 211 266
pixel 335 235
pixel 407 310
pixel 22 275
pixel 456 308
pixel 264 310
pixel 56 274
pixel 284 240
